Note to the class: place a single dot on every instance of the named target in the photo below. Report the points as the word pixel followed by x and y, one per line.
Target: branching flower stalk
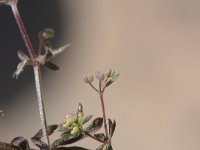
pixel 105 79
pixel 101 92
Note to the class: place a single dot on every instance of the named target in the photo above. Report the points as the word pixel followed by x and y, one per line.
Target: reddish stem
pixel 103 108
pixel 41 43
pixel 22 29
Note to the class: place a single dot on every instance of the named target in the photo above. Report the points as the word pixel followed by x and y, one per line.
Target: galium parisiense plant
pixel 72 129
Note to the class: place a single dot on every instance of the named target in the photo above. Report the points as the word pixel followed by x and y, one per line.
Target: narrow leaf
pixel 21 143
pixel 109 147
pixel 71 148
pixel 66 141
pixel 51 66
pixel 22 56
pixel 20 68
pixel 100 147
pixel 94 126
pixel 36 139
pixel 86 119
pixel 100 136
pixel 50 130
pixel 59 50
pixel 112 126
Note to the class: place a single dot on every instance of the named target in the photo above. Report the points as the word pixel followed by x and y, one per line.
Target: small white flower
pixel 88 78
pixel 100 75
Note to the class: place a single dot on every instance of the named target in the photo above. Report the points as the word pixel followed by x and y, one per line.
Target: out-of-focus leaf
pixel 1 113
pixel 71 148
pixel 94 126
pixel 86 119
pixel 64 129
pixel 100 147
pixel 50 130
pixel 25 60
pixel 6 146
pixel 39 143
pixel 100 136
pixel 21 142
pixel 57 51
pixel 37 138
pixel 51 66
pixel 112 126
pixel 47 33
pixel 109 147
pixel 66 141
pixel 66 135
pixel 49 54
pixel 112 79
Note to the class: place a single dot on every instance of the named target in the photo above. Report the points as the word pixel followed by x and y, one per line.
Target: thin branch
pixel 41 43
pixel 103 108
pixel 94 87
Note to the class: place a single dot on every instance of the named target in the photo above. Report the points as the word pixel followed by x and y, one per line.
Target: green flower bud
pixel 75 130
pixel 108 72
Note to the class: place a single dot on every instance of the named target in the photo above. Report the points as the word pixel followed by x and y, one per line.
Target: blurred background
pixel 154 44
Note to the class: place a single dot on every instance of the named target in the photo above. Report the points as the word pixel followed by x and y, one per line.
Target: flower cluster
pixel 73 122
pixel 105 78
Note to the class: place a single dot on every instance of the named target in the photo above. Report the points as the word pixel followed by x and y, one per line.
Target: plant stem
pixel 36 67
pixel 93 137
pixel 93 87
pixel 22 29
pixel 38 84
pixel 103 109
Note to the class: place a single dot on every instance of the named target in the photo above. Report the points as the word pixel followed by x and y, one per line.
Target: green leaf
pixel 95 125
pixel 66 135
pixel 112 79
pixel 64 129
pixel 50 130
pixel 86 119
pixel 109 147
pixel 71 148
pixel 100 136
pixel 100 147
pixel 112 126
pixel 67 140
pixel 36 139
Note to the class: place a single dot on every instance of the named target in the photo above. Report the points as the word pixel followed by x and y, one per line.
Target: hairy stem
pixel 36 66
pixel 103 108
pixel 22 30
pixel 38 84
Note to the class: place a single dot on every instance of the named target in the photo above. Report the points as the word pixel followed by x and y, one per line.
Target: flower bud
pixel 75 130
pixel 100 75
pixel 108 72
pixel 88 78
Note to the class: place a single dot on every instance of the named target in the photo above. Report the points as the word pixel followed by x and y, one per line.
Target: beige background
pixel 154 44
